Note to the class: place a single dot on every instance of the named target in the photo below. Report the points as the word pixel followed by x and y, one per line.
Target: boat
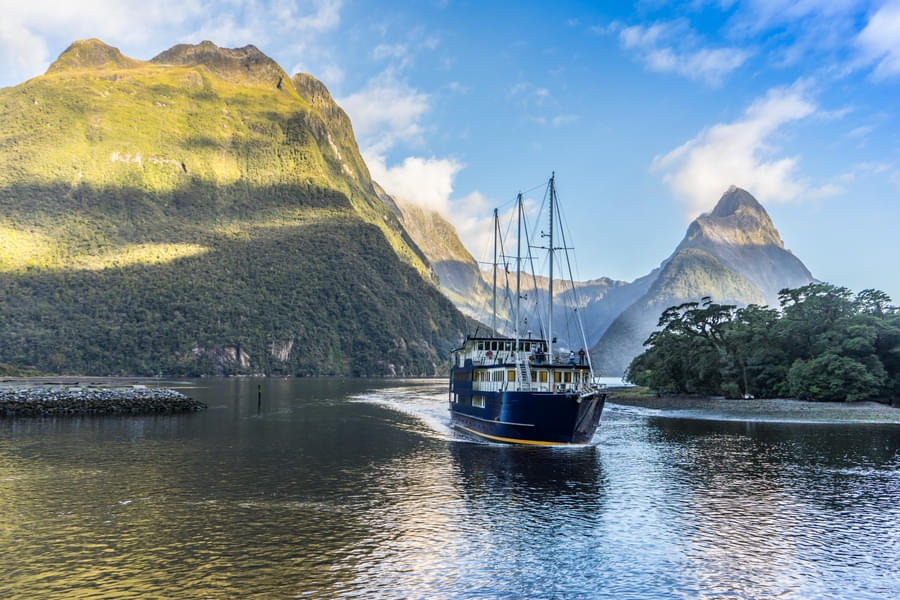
pixel 520 389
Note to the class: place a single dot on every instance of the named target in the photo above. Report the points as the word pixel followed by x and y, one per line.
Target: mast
pixel 494 297
pixel 518 268
pixel 550 327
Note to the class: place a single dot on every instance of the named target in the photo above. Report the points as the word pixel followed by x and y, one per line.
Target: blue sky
pixel 646 111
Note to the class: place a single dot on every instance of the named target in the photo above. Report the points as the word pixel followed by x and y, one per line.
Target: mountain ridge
pixel 222 220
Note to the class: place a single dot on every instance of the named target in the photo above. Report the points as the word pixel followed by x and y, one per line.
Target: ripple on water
pixel 350 489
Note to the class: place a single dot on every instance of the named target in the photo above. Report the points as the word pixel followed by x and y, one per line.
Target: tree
pixel 824 344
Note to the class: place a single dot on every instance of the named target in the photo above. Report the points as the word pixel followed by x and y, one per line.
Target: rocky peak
pixel 737 219
pixel 238 65
pixel 736 200
pixel 740 233
pixel 91 54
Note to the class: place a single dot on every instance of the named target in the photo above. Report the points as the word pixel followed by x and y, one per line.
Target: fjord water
pixel 351 488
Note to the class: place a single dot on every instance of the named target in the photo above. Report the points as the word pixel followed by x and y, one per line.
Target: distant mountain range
pixel 734 254
pixel 201 213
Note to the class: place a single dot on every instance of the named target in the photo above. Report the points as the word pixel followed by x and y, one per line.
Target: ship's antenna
pixel 550 325
pixel 494 296
pixel 518 268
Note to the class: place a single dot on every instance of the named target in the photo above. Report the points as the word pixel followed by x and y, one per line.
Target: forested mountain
pixel 732 254
pixel 456 270
pixel 201 213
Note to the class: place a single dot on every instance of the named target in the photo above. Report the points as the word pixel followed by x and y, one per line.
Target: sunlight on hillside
pixel 137 254
pixel 23 250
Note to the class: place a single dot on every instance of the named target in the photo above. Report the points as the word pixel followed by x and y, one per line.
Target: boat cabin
pixel 496 364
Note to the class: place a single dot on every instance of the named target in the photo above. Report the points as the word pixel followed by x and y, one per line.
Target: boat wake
pixel 427 404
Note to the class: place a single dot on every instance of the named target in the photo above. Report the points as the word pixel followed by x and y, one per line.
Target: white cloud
pixel 671 47
pixel 760 15
pixel 398 51
pixel 386 112
pixel 862 131
pixel 563 120
pixel 739 153
pixel 880 41
pixel 428 183
pixel 457 88
pixel 29 29
pixel 33 32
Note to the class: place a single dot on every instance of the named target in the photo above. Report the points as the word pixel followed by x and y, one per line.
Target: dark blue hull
pixel 537 418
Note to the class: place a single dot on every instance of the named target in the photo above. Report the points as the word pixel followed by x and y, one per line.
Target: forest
pixel 823 343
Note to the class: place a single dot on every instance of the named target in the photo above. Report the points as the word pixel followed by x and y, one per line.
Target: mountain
pixel 598 301
pixel 458 274
pixel 732 254
pixel 201 213
pixel 740 233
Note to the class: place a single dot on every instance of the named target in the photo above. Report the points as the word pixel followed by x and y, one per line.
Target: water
pixel 342 489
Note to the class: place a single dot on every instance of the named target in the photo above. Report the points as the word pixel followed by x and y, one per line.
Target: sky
pixel 646 112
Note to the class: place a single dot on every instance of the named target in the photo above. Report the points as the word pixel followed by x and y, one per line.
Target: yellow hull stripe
pixel 515 440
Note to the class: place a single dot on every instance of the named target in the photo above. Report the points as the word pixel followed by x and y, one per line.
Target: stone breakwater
pixel 48 402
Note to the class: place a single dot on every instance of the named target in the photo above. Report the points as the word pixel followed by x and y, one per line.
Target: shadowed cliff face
pixel 732 254
pixel 197 213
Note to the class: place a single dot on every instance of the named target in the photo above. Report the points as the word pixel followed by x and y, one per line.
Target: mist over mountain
pixel 201 213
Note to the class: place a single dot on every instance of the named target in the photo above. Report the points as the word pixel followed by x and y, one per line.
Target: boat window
pixel 568 377
pixel 533 376
pixel 493 345
pixel 510 376
pixel 481 345
pixel 543 376
pixel 507 346
pixel 478 401
pixel 557 377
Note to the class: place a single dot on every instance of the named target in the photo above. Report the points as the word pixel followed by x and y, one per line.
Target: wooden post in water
pixel 259 398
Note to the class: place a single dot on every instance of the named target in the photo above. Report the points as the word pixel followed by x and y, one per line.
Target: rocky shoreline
pixel 780 409
pixel 53 401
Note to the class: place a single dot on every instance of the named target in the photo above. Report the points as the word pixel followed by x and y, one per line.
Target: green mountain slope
pixel 456 270
pixel 733 254
pixel 688 276
pixel 201 213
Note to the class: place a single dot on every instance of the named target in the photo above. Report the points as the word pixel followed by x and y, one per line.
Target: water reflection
pixel 762 505
pixel 343 488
